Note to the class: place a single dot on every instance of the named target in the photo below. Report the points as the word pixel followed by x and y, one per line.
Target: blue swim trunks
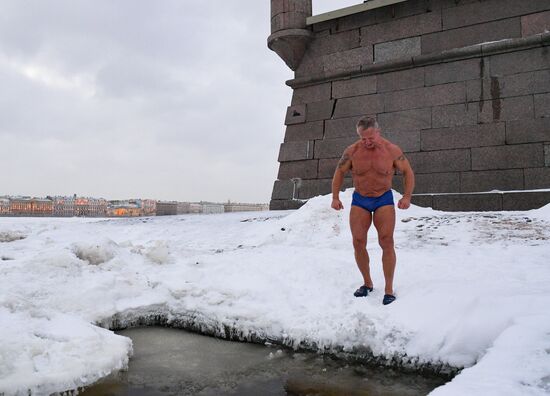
pixel 372 203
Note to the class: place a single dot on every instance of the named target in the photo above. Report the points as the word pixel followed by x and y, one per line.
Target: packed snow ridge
pixel 473 291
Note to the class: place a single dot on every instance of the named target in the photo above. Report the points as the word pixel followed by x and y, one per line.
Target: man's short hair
pixel 367 122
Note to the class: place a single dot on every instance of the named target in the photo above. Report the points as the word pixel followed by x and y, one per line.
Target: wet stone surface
pixel 176 362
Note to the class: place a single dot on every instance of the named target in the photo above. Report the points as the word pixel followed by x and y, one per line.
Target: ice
pixel 473 291
pixel 95 253
pixel 10 236
pixel 55 352
pixel 159 253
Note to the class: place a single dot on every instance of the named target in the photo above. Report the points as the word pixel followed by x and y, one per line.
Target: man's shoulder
pixel 392 147
pixel 352 148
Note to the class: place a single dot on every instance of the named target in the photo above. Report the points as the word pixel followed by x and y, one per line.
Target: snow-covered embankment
pixel 473 291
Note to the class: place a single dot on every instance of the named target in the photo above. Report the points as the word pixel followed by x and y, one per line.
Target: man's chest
pixel 379 161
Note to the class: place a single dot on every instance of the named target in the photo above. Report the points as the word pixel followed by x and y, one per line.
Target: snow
pixel 473 291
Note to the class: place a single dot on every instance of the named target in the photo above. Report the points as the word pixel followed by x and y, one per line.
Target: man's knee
pixel 386 242
pixel 359 243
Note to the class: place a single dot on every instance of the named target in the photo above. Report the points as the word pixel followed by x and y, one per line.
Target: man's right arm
pixel 344 165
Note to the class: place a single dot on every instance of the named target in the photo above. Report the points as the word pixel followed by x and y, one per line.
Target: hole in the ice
pixel 173 361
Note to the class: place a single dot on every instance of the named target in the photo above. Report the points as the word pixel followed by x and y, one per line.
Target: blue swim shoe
pixel 363 291
pixel 388 299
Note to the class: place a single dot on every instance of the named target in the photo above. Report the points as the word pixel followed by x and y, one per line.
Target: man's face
pixel 370 137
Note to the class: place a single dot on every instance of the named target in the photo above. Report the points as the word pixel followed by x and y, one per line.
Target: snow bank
pixel 51 352
pixel 541 213
pixel 473 291
pixel 517 363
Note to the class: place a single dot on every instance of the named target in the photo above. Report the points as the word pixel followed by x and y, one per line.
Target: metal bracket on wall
pixel 296 183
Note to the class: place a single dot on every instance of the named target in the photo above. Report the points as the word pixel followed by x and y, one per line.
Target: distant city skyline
pixel 112 199
pixel 177 100
pixel 77 206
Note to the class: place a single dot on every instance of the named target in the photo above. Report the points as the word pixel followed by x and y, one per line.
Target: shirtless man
pixel 372 161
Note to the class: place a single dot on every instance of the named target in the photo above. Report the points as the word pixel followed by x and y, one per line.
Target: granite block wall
pixel 463 87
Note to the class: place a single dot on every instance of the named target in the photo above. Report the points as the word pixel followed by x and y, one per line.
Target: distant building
pixel 211 208
pixel 124 211
pixel 4 206
pixel 184 207
pixel 64 206
pixel 244 207
pixel 195 208
pixel 27 206
pixel 149 207
pixel 167 208
pixel 90 207
pixel 125 208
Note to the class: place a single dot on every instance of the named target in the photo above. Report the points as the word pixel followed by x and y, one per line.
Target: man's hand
pixel 404 203
pixel 336 204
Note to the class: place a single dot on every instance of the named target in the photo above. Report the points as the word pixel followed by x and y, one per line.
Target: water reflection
pixel 175 362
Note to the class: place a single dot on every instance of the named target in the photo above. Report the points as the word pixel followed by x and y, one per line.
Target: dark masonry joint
pixel 333 108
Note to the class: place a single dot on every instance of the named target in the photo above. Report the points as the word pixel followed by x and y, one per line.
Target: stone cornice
pixel 472 51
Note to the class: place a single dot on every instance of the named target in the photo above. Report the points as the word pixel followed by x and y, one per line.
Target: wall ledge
pixel 472 51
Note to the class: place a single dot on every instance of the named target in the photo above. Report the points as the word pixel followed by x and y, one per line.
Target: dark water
pixel 176 362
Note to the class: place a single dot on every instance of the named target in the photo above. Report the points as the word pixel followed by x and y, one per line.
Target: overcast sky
pixel 172 99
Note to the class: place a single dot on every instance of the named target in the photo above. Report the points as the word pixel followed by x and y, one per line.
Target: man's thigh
pixel 384 220
pixel 359 221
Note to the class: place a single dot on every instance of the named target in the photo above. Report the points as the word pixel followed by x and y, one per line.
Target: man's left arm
pixel 402 164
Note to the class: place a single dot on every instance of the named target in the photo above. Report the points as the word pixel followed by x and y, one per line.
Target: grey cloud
pixel 171 99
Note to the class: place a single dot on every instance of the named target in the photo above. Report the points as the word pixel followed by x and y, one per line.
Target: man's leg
pixel 360 221
pixel 384 221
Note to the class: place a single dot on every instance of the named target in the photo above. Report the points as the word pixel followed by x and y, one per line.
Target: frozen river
pixel 473 295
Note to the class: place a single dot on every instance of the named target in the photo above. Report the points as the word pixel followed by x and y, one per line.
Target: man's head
pixel 369 132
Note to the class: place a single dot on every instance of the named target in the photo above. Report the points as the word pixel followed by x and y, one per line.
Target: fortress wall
pixel 470 117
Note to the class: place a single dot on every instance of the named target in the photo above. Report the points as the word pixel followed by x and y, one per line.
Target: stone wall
pixel 463 87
